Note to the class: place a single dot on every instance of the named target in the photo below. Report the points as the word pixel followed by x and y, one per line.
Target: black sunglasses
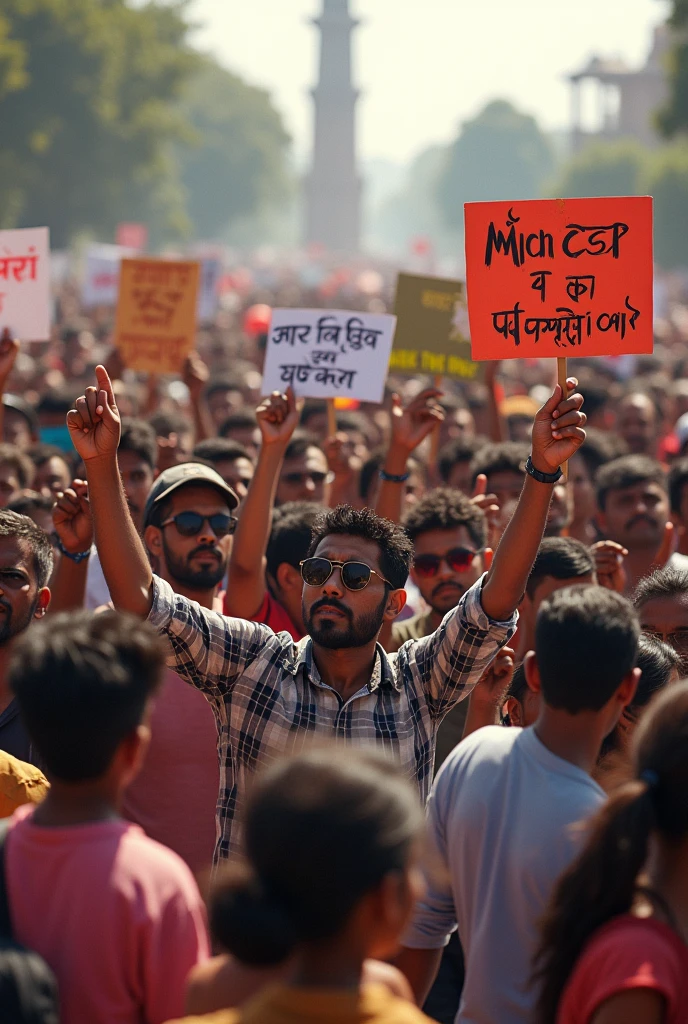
pixel 458 559
pixel 316 477
pixel 355 575
pixel 191 523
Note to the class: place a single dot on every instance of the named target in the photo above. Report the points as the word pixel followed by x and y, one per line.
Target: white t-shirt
pixel 499 821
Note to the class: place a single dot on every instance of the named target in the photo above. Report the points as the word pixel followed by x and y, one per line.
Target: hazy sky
pixel 425 65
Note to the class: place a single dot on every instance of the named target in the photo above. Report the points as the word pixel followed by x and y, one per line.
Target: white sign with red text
pixel 25 306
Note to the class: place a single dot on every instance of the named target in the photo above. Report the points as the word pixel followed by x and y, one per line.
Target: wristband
pixel 78 557
pixel 394 478
pixel 542 478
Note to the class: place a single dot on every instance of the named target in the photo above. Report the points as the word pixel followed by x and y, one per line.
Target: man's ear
pixel 626 691
pixel 42 604
pixel 532 672
pixel 152 538
pixel 288 578
pixel 396 600
pixel 600 518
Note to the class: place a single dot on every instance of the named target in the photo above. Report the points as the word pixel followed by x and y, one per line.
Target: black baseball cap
pixel 180 476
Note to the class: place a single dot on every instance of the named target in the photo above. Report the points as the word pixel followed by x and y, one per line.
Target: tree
pixel 667 181
pixel 500 154
pixel 603 169
pixel 673 118
pixel 87 128
pixel 238 164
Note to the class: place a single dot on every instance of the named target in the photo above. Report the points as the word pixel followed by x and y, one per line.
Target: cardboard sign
pixel 132 236
pixel 559 277
pixel 25 283
pixel 211 272
pixel 328 353
pixel 432 328
pixel 156 313
pixel 101 275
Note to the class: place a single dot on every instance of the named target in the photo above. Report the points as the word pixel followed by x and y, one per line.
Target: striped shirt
pixel 269 699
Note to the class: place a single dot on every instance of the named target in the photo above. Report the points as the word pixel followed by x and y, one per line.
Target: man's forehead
pixel 342 548
pixel 309 457
pixel 639 487
pixel 14 553
pixel 442 540
pixel 664 612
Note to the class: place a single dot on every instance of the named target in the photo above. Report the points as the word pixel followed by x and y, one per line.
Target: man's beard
pixel 357 634
pixel 180 569
pixel 10 628
pixel 441 607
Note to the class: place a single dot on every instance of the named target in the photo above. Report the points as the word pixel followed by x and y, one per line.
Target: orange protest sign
pixel 559 277
pixel 156 313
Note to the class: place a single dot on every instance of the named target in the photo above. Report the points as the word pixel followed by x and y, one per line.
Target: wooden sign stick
pixel 332 417
pixel 435 435
pixel 562 375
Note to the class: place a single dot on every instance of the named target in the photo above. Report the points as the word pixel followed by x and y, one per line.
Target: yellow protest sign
pixel 432 329
pixel 155 327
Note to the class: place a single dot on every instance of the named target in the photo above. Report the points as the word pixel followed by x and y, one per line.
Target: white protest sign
pixel 211 272
pixel 328 353
pixel 101 277
pixel 25 304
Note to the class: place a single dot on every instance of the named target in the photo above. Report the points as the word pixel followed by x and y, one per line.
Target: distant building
pixel 627 99
pixel 333 187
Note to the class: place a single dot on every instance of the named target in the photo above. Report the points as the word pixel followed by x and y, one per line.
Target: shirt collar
pixel 382 675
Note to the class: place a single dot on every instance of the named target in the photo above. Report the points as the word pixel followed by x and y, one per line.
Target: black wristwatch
pixel 542 478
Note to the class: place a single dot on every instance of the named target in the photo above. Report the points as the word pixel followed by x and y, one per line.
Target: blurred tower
pixel 333 188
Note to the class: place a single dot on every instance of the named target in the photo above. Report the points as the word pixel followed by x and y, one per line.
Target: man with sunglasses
pixel 271 695
pixel 304 474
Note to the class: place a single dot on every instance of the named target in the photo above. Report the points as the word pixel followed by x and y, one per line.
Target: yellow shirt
pixel 20 783
pixel 374 1004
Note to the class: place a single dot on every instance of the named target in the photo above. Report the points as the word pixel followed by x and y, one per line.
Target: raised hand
pixel 195 375
pixel 558 429
pixel 488 503
pixel 412 424
pixel 278 417
pixel 666 548
pixel 609 565
pixel 9 349
pixel 94 425
pixel 72 518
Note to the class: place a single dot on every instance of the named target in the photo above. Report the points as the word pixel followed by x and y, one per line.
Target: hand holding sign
pixel 411 425
pixel 278 417
pixel 558 429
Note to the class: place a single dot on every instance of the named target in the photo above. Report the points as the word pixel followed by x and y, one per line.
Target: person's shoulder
pixel 411 629
pixel 630 935
pixel 490 745
pixel 146 862
pixel 378 1003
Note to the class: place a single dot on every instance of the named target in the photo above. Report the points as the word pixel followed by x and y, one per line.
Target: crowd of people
pixel 378 725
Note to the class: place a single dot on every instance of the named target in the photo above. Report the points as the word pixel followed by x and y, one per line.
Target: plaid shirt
pixel 269 699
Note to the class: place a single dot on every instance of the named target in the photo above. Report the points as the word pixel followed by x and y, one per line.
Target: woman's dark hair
pixel 602 882
pixel 322 829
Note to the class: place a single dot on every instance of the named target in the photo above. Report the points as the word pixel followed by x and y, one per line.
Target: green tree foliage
pixel 673 118
pixel 85 132
pixel 500 154
pixel 667 180
pixel 238 165
pixel 603 169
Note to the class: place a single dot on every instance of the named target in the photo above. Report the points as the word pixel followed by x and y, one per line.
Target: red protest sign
pixel 559 277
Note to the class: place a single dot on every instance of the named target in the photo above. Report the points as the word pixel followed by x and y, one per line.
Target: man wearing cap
pixel 187 531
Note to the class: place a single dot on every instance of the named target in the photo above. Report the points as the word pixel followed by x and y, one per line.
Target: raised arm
pixel 278 417
pixel 196 375
pixel 557 435
pixel 410 427
pixel 74 528
pixel 94 426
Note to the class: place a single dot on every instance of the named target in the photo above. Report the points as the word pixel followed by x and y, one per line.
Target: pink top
pixel 117 916
pixel 629 952
pixel 173 798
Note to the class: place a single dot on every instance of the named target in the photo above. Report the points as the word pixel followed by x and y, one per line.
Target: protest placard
pixel 25 283
pixel 101 275
pixel 211 272
pixel 156 313
pixel 559 277
pixel 432 328
pixel 328 353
